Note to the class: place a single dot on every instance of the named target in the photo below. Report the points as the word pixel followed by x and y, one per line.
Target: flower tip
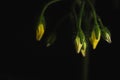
pixel 83 54
pixel 109 41
pixel 78 44
pixel 39 32
pixel 94 47
pixel 48 44
pixel 78 51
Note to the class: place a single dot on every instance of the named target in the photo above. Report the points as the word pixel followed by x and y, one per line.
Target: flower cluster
pixel 85 17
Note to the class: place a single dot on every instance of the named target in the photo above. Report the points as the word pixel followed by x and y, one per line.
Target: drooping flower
pixel 79 40
pixel 106 34
pixel 78 44
pixel 95 36
pixel 39 31
pixel 40 28
pixel 83 49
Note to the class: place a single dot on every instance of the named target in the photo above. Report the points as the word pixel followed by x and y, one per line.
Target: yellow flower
pixel 39 32
pixel 78 44
pixel 83 49
pixel 95 37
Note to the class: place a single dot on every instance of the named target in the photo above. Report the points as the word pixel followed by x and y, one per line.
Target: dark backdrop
pixel 24 58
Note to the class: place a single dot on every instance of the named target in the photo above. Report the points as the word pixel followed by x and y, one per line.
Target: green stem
pixel 93 10
pixel 80 16
pixel 100 22
pixel 46 6
pixel 85 67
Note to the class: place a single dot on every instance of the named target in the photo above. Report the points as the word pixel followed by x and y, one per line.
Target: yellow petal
pixel 39 32
pixel 93 39
pixel 83 49
pixel 78 44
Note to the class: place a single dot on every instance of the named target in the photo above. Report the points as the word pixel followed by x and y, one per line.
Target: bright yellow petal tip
pixel 93 39
pixel 83 49
pixel 78 44
pixel 39 32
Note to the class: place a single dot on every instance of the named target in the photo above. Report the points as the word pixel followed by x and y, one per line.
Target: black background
pixel 26 59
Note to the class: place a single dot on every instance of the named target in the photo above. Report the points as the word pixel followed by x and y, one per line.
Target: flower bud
pixel 78 44
pixel 83 49
pixel 79 40
pixel 95 36
pixel 106 34
pixel 40 29
pixel 39 32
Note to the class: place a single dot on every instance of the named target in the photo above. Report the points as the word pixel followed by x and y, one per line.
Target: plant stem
pixel 93 10
pixel 100 22
pixel 46 6
pixel 85 67
pixel 80 16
